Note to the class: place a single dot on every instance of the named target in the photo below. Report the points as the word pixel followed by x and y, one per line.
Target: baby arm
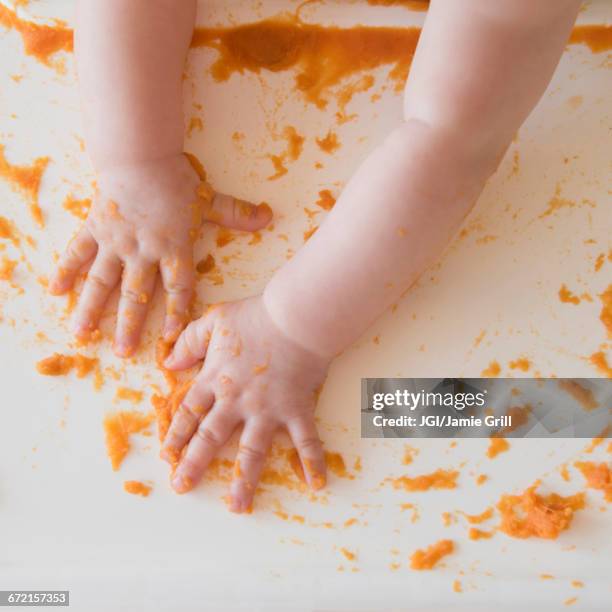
pixel 479 70
pixel 130 58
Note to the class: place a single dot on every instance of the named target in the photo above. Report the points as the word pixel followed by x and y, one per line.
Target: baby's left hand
pixel 252 375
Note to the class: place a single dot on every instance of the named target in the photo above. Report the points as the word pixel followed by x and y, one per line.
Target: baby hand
pixel 144 218
pixel 253 375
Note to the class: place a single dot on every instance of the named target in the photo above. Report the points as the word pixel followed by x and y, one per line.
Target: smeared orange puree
pixel 118 427
pixel 606 310
pixel 129 395
pixel 427 559
pixel 137 488
pixel 326 200
pixel 581 394
pixel 497 445
pixel 25 180
pixel 600 361
pixel 492 370
pixel 323 56
pixel 597 38
pixel 7 266
pixel 40 41
pixel 598 476
pixel 8 231
pixel 415 5
pixel 78 208
pixel 61 365
pixel 540 516
pixel 440 479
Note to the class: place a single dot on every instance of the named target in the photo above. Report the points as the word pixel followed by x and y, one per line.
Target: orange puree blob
pixel 479 534
pixel 166 406
pixel 130 395
pixel 39 41
pixel 598 476
pixel 25 179
pixel 326 200
pixel 56 365
pixel 597 38
pixel 78 208
pixel 7 266
pixel 8 231
pixel 137 488
pixel 330 144
pixel 492 370
pixel 415 5
pixel 532 515
pixel 428 558
pixel 522 363
pixel 440 479
pixel 606 310
pixel 497 445
pixel 581 394
pixel 600 361
pixel 567 297
pixel 61 365
pixel 322 56
pixel 118 427
pixel 477 519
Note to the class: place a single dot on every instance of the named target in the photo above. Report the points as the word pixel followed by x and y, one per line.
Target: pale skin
pixel 479 70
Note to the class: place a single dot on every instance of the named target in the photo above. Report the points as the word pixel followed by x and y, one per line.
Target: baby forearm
pixel 130 59
pixel 391 222
pixel 410 196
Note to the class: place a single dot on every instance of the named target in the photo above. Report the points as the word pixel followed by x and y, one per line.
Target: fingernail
pixel 123 350
pixel 317 481
pixel 182 484
pixel 264 209
pixel 169 361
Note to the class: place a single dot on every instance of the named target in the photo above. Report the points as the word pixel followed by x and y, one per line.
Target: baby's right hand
pixel 145 218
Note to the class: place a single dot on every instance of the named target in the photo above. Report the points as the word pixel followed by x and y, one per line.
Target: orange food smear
pixel 323 56
pixel 600 361
pixel 25 180
pixel 427 559
pixel 479 534
pixel 415 5
pixel 476 519
pixel 597 38
pixel 84 365
pixel 581 394
pixel 40 41
pixel 78 208
pixel 519 416
pixel 130 395
pixel 598 476
pixel 136 487
pixel 326 200
pixel 61 365
pixel 330 143
pixel 497 445
pixel 350 556
pixel 520 364
pixel 606 310
pixel 56 365
pixel 440 479
pixel 8 231
pixel 492 370
pixel 567 297
pixel 118 427
pixel 7 266
pixel 533 515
